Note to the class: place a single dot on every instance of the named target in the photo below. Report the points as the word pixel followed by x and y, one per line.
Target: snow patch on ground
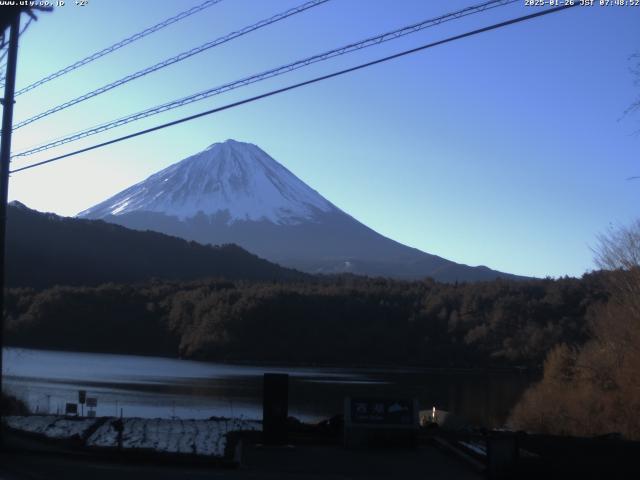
pixel 475 447
pixel 196 437
pixel 51 426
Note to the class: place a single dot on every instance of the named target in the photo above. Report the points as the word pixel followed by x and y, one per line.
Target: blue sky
pixel 508 149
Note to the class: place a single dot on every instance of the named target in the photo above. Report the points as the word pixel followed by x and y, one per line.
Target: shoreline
pixel 493 370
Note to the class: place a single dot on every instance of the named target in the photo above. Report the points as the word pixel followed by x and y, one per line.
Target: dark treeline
pixel 338 320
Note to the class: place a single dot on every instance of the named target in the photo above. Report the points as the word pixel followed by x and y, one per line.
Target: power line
pixel 5 50
pixel 170 61
pixel 371 41
pixel 3 67
pixel 301 84
pixel 120 44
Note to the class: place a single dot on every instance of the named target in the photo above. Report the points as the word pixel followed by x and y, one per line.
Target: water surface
pixel 164 387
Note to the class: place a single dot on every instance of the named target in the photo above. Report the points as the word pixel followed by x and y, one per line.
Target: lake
pixel 155 387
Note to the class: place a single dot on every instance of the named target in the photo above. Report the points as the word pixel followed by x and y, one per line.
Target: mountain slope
pixel 44 249
pixel 234 192
pixel 234 177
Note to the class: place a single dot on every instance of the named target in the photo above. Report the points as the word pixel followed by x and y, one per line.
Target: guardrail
pixel 522 455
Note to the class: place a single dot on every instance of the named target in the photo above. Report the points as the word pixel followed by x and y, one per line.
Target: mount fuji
pixel 234 192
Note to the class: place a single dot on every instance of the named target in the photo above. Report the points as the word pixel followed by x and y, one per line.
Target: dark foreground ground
pixel 303 462
pixel 438 455
pixel 299 462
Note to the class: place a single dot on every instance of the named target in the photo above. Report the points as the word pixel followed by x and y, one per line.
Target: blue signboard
pixel 372 411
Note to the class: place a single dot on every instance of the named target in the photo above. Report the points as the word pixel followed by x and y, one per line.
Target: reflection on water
pixel 163 387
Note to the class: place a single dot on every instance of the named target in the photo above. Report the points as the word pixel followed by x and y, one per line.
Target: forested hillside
pixel 44 249
pixel 347 320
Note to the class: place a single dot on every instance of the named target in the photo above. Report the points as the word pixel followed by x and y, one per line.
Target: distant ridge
pixel 44 249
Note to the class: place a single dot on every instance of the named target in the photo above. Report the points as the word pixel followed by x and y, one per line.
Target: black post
pixel 275 408
pixel 5 157
pixel 502 455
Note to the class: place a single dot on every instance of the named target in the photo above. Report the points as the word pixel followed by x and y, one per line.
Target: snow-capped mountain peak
pixel 234 178
pixel 233 192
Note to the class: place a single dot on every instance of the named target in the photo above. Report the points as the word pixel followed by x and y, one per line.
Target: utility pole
pixel 5 157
